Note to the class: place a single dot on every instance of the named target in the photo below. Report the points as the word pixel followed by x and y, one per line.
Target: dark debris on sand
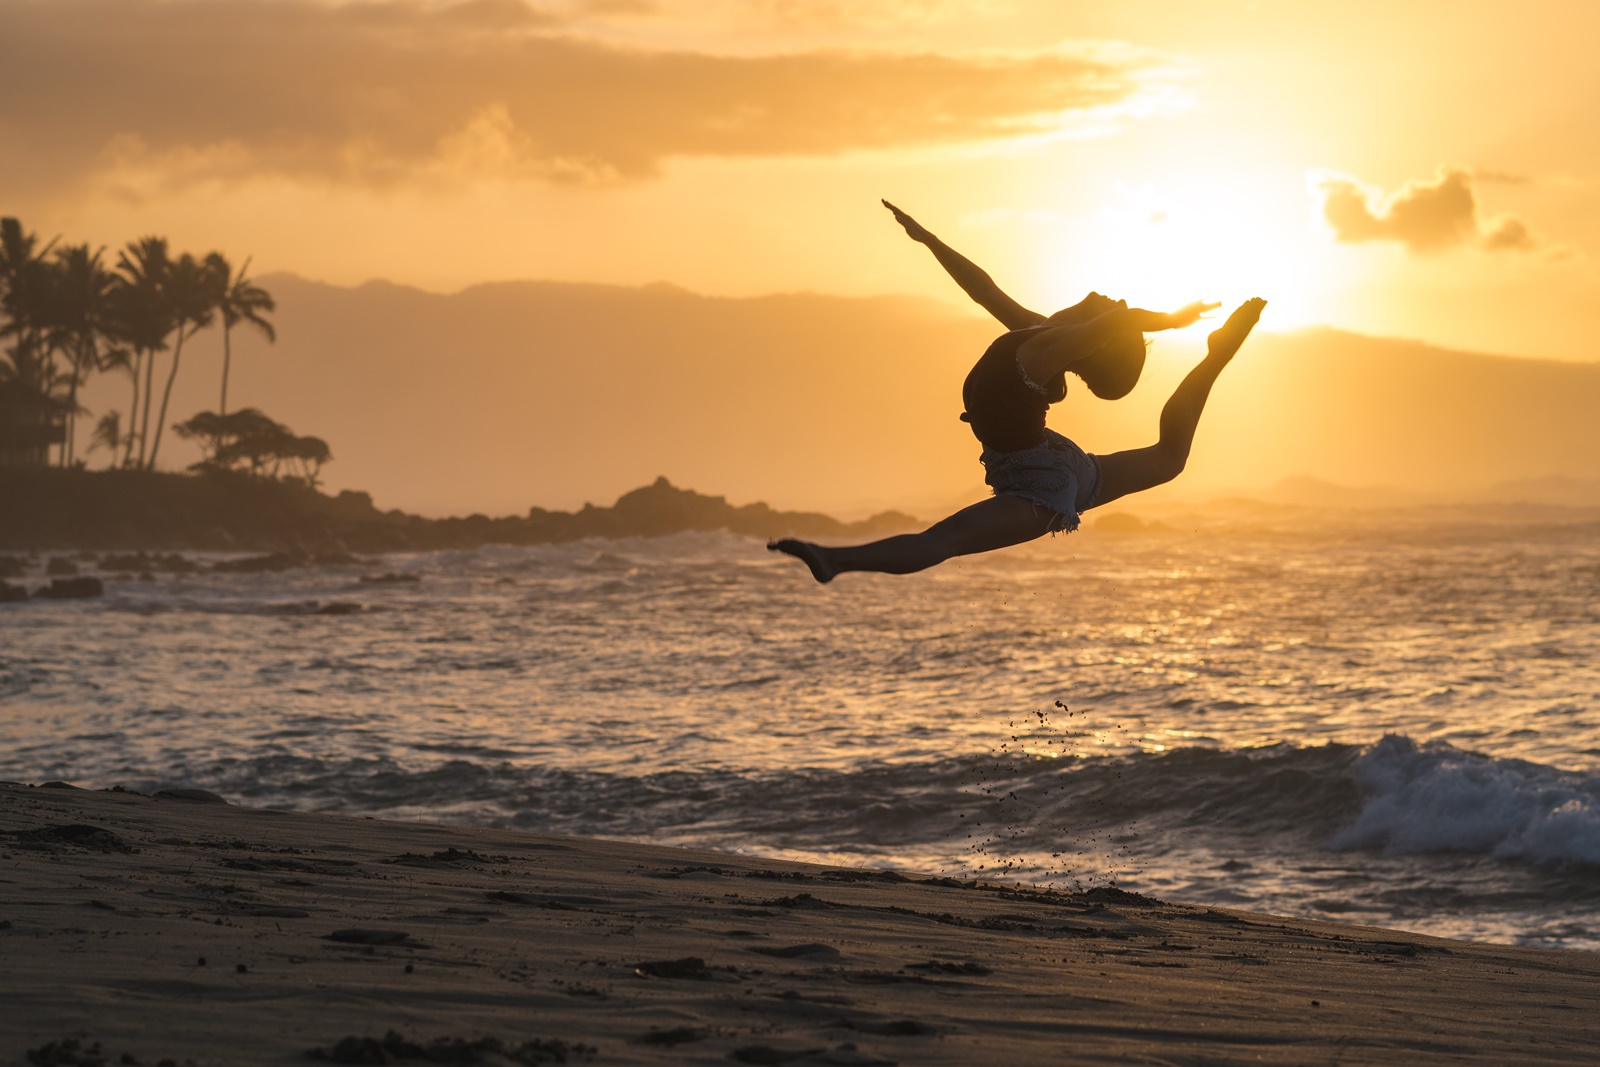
pixel 692 968
pixel 446 858
pixel 393 1048
pixel 843 1056
pixel 364 936
pixel 680 1035
pixel 79 835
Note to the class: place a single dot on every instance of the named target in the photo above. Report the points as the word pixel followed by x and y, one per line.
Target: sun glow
pixel 1211 240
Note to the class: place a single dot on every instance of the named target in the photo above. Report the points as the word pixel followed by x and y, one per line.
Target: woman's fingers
pixel 913 227
pixel 1192 312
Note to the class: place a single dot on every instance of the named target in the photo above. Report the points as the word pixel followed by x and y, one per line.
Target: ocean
pixel 1392 724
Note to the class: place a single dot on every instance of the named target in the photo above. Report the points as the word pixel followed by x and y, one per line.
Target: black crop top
pixel 1006 414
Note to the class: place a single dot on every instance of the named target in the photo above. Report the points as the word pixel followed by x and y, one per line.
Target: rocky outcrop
pixel 83 588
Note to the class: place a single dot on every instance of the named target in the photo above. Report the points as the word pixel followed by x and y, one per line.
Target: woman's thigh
pixel 999 522
pixel 1133 471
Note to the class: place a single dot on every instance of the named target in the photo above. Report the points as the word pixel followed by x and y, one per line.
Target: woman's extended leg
pixel 1138 469
pixel 998 522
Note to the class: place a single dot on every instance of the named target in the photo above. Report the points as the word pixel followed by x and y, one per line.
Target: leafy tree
pixel 310 454
pixel 250 441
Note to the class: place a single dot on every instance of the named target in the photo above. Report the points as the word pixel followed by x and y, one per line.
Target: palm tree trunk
pixel 149 390
pixel 227 358
pixel 133 410
pixel 82 359
pixel 166 395
pixel 72 421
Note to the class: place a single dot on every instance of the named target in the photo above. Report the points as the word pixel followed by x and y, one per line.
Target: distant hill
pixel 1361 411
pixel 515 394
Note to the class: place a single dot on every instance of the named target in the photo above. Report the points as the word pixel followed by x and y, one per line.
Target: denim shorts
pixel 1056 474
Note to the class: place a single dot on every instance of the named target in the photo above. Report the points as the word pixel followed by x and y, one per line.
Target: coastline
pixel 51 510
pixel 330 932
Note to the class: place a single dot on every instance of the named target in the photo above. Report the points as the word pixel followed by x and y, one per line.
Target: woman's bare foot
pixel 1226 339
pixel 809 554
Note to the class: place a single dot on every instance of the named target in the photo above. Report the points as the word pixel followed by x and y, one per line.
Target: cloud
pixel 1507 232
pixel 844 14
pixel 797 14
pixel 1425 216
pixel 374 92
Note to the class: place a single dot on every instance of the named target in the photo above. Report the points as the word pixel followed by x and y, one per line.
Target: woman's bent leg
pixel 1137 469
pixel 987 525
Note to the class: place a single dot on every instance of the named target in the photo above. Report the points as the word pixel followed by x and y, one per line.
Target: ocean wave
pixel 1434 797
pixel 1394 797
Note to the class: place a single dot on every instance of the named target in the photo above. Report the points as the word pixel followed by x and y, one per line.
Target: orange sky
pixel 1429 170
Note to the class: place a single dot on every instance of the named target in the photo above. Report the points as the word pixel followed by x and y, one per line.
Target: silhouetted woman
pixel 1042 480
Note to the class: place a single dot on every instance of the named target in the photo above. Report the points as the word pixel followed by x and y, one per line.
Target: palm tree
pixel 108 434
pixel 80 318
pixel 24 280
pixel 138 331
pixel 32 411
pixel 192 289
pixel 241 301
pixel 144 319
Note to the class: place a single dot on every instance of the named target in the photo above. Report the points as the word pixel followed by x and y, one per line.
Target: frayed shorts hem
pixel 1056 475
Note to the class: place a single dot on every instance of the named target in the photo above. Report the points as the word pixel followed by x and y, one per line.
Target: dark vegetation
pixel 66 315
pixel 47 509
pixel 249 442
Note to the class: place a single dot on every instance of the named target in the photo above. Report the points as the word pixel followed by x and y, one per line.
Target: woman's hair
pixel 1113 370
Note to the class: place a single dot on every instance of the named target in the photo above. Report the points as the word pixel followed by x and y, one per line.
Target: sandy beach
pixel 146 929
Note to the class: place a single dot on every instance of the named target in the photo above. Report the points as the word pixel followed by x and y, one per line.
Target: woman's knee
pixel 1134 471
pixel 1167 463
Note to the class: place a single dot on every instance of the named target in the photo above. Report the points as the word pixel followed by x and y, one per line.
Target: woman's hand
pixel 1190 314
pixel 914 228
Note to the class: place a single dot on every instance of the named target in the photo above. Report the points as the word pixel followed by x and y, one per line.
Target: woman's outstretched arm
pixel 973 279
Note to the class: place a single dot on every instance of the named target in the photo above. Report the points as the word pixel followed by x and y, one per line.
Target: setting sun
pixel 1190 237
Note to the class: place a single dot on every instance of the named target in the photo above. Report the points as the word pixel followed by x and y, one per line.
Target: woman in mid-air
pixel 1042 480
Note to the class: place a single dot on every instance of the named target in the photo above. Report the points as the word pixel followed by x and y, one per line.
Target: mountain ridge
pixel 560 392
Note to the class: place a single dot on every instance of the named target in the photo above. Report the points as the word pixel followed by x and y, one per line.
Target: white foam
pixel 1435 798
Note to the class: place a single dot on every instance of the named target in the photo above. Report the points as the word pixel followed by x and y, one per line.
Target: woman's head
pixel 1114 369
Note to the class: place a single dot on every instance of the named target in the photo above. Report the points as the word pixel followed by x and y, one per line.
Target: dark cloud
pixel 374 92
pixel 1425 216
